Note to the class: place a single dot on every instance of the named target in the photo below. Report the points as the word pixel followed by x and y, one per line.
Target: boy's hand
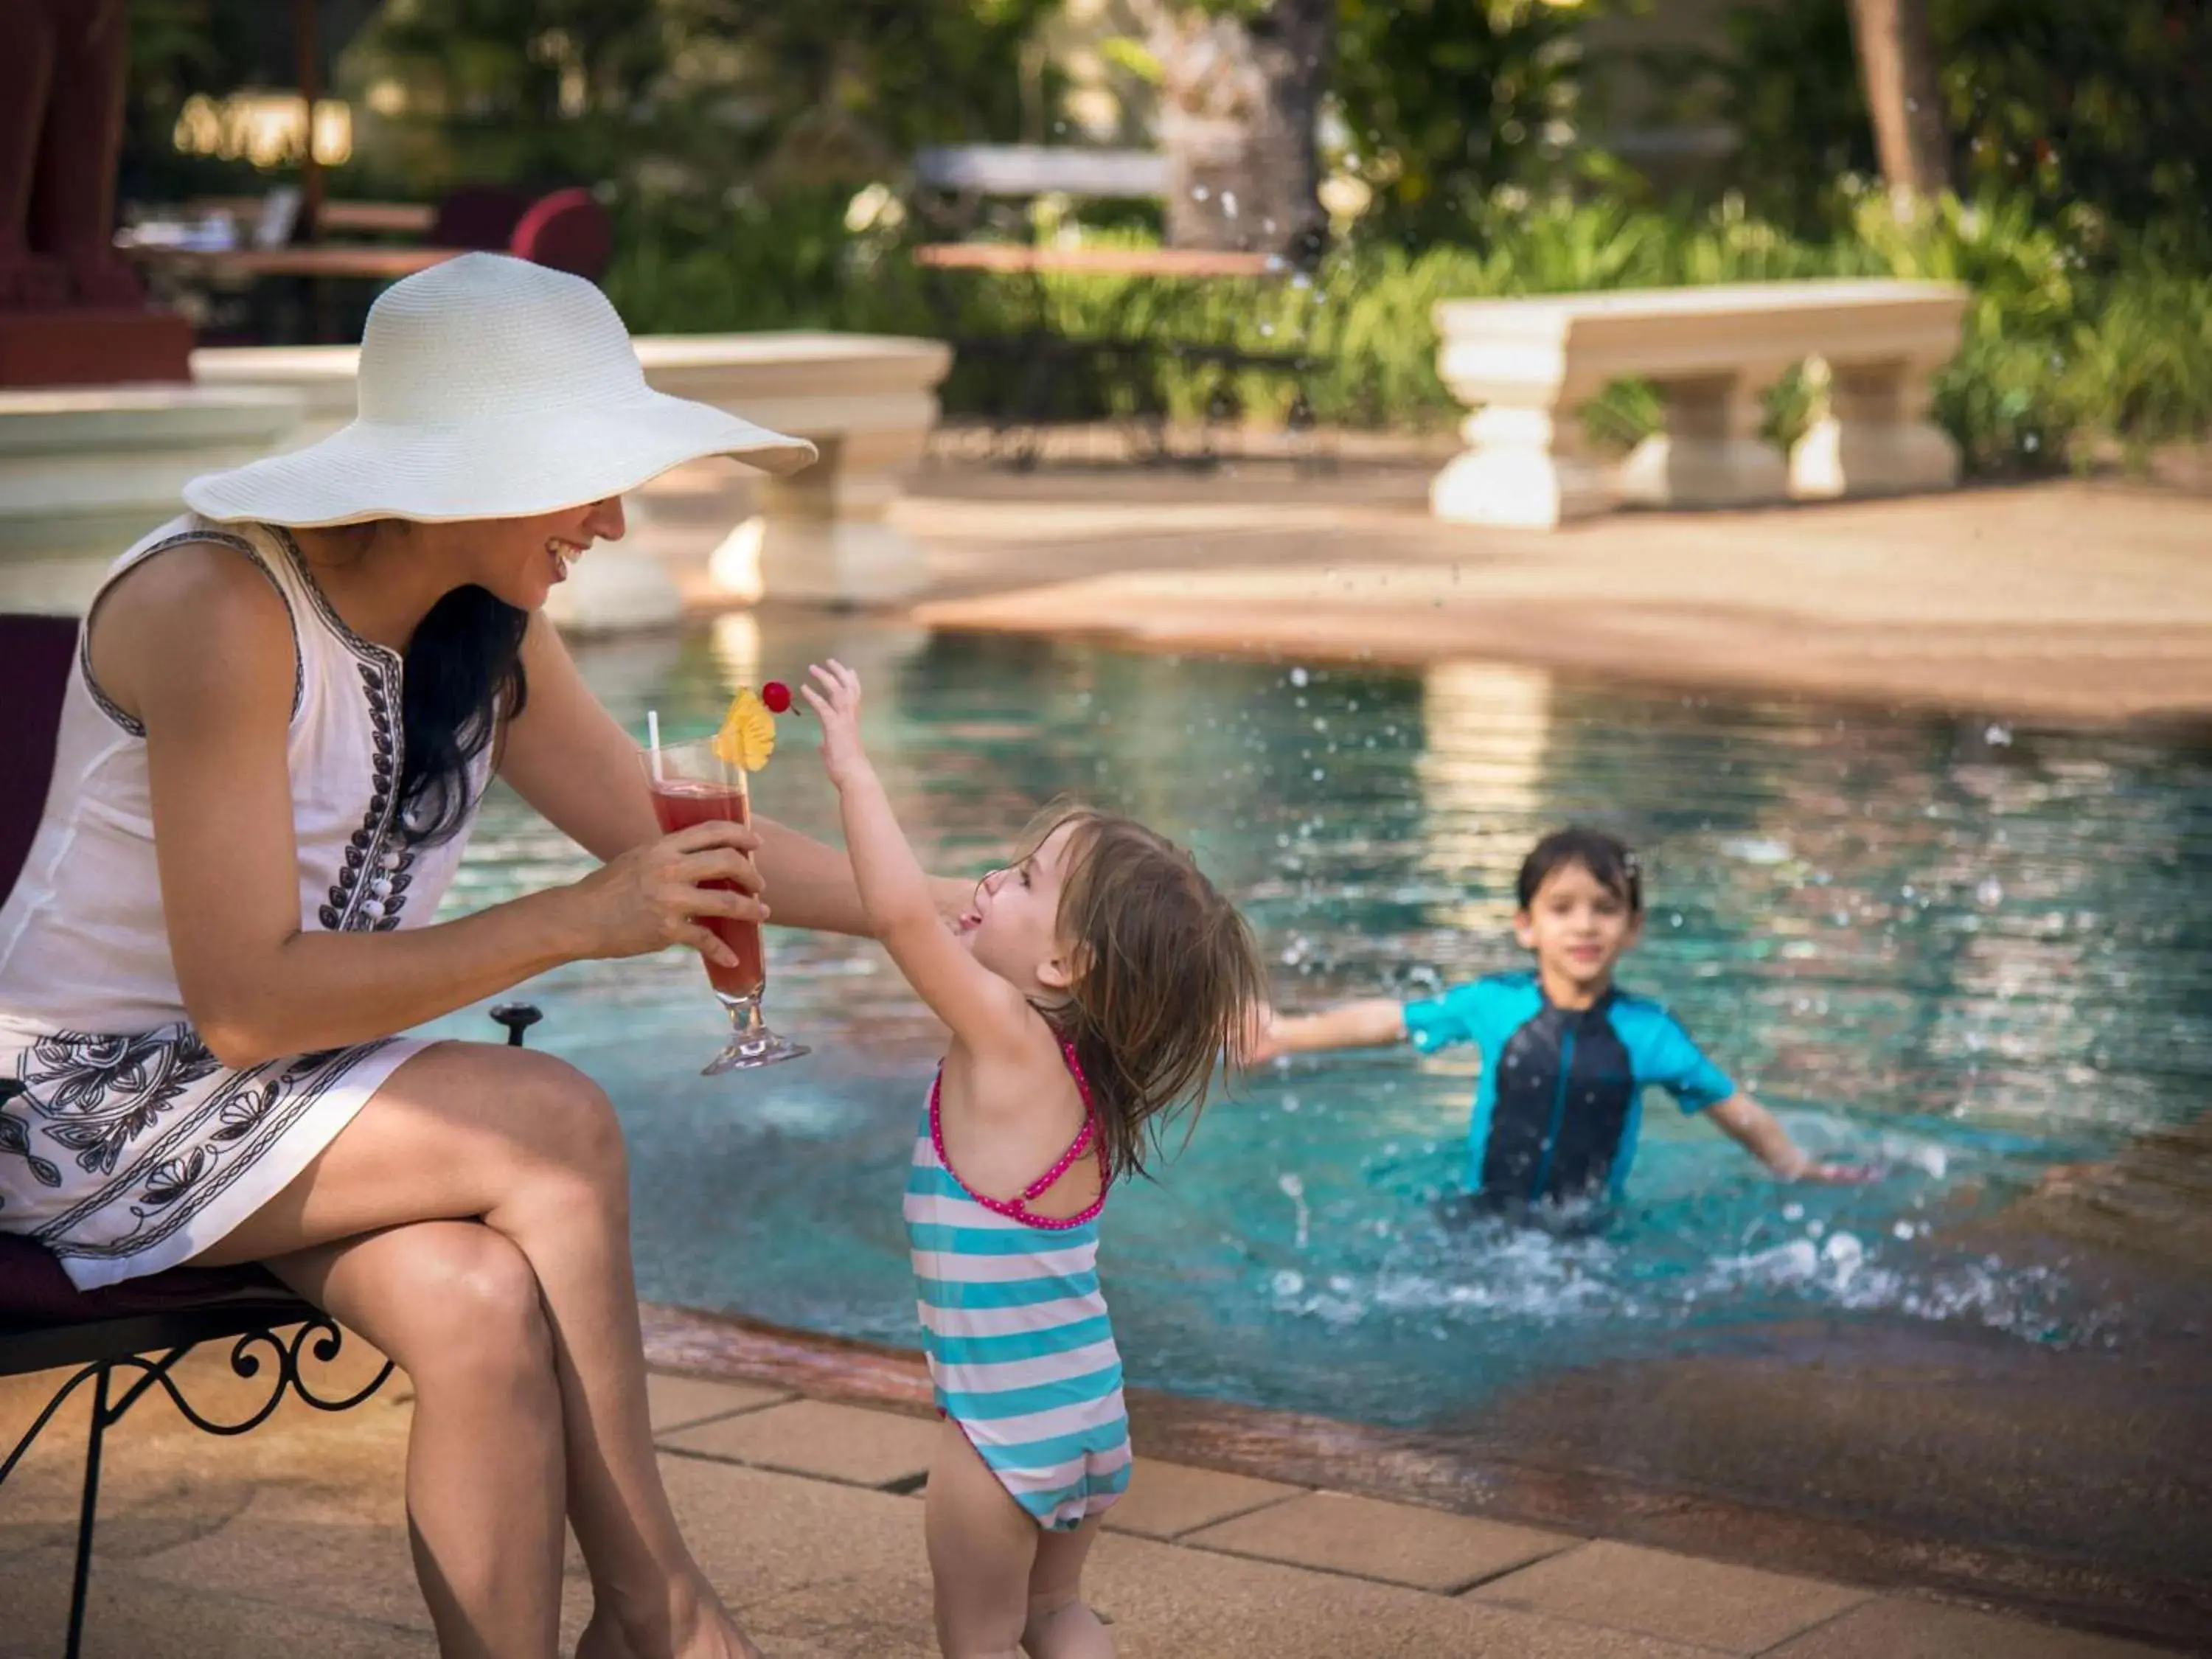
pixel 838 705
pixel 1840 1174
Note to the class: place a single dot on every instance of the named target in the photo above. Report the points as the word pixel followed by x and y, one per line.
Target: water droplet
pixel 1299 677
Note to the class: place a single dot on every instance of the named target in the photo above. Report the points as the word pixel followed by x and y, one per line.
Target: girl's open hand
pixel 835 698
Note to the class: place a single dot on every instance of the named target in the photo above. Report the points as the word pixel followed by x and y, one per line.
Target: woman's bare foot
pixel 701 1629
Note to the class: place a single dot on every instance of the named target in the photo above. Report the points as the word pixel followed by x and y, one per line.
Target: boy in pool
pixel 1566 1055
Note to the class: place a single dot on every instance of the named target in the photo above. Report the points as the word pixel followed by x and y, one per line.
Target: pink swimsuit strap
pixel 1018 1209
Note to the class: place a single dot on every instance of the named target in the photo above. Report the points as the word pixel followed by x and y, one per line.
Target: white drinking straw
pixel 653 740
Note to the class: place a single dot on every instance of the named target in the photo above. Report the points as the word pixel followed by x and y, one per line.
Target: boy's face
pixel 1577 928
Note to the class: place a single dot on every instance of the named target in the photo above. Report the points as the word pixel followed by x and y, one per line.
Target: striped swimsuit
pixel 1020 1349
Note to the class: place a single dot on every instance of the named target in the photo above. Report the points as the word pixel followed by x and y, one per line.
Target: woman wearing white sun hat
pixel 285 708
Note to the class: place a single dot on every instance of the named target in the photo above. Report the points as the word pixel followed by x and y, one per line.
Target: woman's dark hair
pixel 464 677
pixel 1167 975
pixel 1608 860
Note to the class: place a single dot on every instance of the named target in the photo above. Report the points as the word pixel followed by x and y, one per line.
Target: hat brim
pixel 510 469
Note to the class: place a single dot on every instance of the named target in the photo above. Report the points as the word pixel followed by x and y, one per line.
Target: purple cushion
pixel 34 1290
pixel 34 664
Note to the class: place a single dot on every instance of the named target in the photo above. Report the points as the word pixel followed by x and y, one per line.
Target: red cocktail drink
pixel 692 785
pixel 679 802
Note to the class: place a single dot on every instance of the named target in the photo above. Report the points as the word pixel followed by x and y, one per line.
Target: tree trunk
pixel 1897 61
pixel 1239 107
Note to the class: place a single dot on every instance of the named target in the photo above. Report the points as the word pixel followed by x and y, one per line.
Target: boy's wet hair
pixel 1608 860
pixel 1166 973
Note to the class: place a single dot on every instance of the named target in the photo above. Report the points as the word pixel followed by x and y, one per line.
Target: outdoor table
pixel 321 259
pixel 308 269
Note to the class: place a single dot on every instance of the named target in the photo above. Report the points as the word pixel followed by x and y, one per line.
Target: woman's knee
pixel 570 1123
pixel 469 1304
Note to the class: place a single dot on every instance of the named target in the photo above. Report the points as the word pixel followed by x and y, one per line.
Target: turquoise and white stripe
pixel 1020 1348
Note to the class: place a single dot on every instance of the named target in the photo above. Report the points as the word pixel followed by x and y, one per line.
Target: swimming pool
pixel 1971 949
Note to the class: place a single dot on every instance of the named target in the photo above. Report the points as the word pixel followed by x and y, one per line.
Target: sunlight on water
pixel 1968 949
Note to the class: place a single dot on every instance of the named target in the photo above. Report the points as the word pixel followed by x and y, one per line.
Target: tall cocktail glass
pixel 691 784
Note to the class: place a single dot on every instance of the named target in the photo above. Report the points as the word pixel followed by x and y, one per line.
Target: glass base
pixel 751 1044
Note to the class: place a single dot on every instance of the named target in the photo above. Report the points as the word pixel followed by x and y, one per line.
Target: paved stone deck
pixel 2071 601
pixel 807 1515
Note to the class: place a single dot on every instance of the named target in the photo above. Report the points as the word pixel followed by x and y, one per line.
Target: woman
pixel 286 706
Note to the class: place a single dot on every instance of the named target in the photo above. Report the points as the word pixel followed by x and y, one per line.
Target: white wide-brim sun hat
pixel 489 388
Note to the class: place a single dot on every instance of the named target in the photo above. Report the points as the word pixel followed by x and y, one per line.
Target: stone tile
pixel 680 1401
pixel 129 1617
pixel 1169 1602
pixel 1427 1549
pixel 1166 1500
pixel 1734 1610
pixel 1904 1627
pixel 816 1437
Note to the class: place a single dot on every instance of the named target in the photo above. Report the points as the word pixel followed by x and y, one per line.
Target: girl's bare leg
pixel 981 1547
pixel 531 1146
pixel 456 1305
pixel 1059 1625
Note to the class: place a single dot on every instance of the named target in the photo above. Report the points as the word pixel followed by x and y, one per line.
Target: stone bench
pixel 87 471
pixel 1526 366
pixel 714 532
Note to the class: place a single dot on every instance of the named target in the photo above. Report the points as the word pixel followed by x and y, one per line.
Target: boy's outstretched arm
pixel 1372 1024
pixel 1752 1127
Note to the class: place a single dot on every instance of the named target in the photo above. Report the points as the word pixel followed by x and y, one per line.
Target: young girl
pixel 1093 986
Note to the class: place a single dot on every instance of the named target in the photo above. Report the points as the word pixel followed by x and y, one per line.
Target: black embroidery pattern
pixel 371 889
pixel 372 884
pixel 104 1093
pixel 97 1094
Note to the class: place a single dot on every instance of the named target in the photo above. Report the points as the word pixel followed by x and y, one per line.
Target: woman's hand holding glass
pixel 652 895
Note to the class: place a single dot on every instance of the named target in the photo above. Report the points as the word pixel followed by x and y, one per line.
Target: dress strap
pixel 1086 1139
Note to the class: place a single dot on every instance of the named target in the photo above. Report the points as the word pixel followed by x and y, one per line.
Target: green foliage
pixel 2094 114
pixel 2062 360
pixel 675 96
pixel 1443 101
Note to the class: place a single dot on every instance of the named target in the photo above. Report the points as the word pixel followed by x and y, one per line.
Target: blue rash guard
pixel 1556 1111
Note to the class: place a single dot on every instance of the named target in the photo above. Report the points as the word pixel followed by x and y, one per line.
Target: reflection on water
pixel 1970 949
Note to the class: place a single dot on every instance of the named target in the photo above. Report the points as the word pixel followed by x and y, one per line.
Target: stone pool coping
pixel 805 1511
pixel 2063 602
pixel 1296 1452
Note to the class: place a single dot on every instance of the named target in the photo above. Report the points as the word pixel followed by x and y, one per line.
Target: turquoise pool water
pixel 1969 948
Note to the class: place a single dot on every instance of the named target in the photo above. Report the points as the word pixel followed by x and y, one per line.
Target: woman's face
pixel 521 559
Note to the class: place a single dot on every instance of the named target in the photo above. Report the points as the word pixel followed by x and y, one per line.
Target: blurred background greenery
pixel 758 157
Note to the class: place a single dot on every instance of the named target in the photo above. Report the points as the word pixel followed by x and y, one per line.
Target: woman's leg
pixel 457 1306
pixel 981 1545
pixel 531 1146
pixel 1059 1625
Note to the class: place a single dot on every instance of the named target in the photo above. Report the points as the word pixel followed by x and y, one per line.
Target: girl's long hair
pixel 1167 975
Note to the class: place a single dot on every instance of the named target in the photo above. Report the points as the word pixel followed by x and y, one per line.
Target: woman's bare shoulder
pixel 198 608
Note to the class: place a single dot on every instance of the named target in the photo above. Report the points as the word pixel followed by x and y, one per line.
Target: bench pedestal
pixel 1523 468
pixel 1710 454
pixel 1875 438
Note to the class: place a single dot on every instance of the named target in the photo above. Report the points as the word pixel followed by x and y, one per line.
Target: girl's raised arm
pixel 985 1011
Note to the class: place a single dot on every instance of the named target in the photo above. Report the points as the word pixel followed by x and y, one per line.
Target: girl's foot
pixel 1069 1631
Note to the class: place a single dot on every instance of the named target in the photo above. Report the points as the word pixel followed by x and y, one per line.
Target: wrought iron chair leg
pixel 81 1582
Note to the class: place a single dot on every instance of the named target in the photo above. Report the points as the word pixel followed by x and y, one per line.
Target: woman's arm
pixel 1752 1127
pixel 984 1012
pixel 214 698
pixel 568 757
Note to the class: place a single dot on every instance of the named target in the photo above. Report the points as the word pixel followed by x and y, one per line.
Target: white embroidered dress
pixel 135 1148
